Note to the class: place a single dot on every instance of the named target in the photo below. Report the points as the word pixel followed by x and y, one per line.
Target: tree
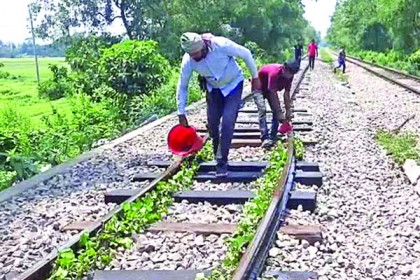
pixel 61 18
pixel 273 25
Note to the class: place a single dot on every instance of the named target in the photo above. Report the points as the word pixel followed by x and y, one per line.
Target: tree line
pixel 12 50
pixel 376 25
pixel 275 25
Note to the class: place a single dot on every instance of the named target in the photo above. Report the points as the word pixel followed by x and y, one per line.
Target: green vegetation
pixel 381 31
pixel 408 63
pixel 401 146
pixel 97 252
pixel 299 148
pixel 326 57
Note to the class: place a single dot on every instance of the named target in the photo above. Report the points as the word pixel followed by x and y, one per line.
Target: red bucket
pixel 183 141
pixel 285 128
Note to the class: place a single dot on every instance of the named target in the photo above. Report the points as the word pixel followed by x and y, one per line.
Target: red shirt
pixel 271 80
pixel 312 49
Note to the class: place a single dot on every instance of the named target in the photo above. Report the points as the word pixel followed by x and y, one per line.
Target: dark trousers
pixel 225 108
pixel 298 58
pixel 311 62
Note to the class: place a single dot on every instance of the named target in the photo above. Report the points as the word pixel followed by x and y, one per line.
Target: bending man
pixel 213 58
pixel 274 78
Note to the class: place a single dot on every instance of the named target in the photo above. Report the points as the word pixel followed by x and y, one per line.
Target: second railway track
pixel 404 80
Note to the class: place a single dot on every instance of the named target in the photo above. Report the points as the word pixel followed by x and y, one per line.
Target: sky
pixel 318 13
pixel 14 14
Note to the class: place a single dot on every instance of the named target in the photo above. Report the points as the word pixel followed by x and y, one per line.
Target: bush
pixel 52 90
pixel 59 86
pixel 394 59
pixel 6 179
pixel 70 135
pixel 3 74
pixel 130 67
pixel 415 59
pixel 133 67
pixel 16 146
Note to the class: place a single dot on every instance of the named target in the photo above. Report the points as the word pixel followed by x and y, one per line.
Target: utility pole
pixel 34 45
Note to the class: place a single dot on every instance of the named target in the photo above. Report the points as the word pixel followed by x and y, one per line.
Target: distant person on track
pixel 213 58
pixel 274 78
pixel 298 52
pixel 312 52
pixel 341 60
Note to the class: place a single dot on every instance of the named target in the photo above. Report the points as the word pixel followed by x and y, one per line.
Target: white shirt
pixel 218 67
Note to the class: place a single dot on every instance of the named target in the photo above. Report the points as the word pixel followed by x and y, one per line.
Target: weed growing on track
pixel 326 57
pixel 254 212
pixel 342 77
pixel 299 148
pixel 97 252
pixel 401 146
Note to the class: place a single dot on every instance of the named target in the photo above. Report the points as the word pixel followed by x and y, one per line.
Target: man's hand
pixel 255 84
pixel 183 120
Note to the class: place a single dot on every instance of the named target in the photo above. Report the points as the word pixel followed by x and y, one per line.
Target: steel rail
pixel 252 261
pixel 361 63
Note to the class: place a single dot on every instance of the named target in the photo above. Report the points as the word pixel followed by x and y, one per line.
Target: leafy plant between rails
pixel 299 148
pixel 254 212
pixel 98 251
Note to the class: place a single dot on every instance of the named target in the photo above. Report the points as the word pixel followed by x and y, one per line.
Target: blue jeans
pixel 341 62
pixel 274 102
pixel 225 108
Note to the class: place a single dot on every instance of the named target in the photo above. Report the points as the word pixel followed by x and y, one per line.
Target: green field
pixel 20 91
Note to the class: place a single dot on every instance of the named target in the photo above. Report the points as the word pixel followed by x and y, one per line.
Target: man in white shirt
pixel 213 58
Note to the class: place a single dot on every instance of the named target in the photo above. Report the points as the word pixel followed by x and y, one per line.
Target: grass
pixel 20 90
pixel 326 57
pixel 399 146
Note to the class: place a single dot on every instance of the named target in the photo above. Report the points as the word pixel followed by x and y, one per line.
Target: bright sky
pixel 318 12
pixel 13 20
pixel 14 15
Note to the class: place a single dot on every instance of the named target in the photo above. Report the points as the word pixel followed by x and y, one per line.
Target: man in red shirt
pixel 312 52
pixel 274 78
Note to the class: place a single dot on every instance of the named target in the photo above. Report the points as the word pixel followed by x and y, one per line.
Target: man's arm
pixel 232 49
pixel 287 100
pixel 182 87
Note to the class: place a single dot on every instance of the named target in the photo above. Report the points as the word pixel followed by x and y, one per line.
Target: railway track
pixel 404 80
pixel 205 215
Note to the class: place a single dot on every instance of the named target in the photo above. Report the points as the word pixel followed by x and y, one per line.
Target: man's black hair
pixel 293 66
